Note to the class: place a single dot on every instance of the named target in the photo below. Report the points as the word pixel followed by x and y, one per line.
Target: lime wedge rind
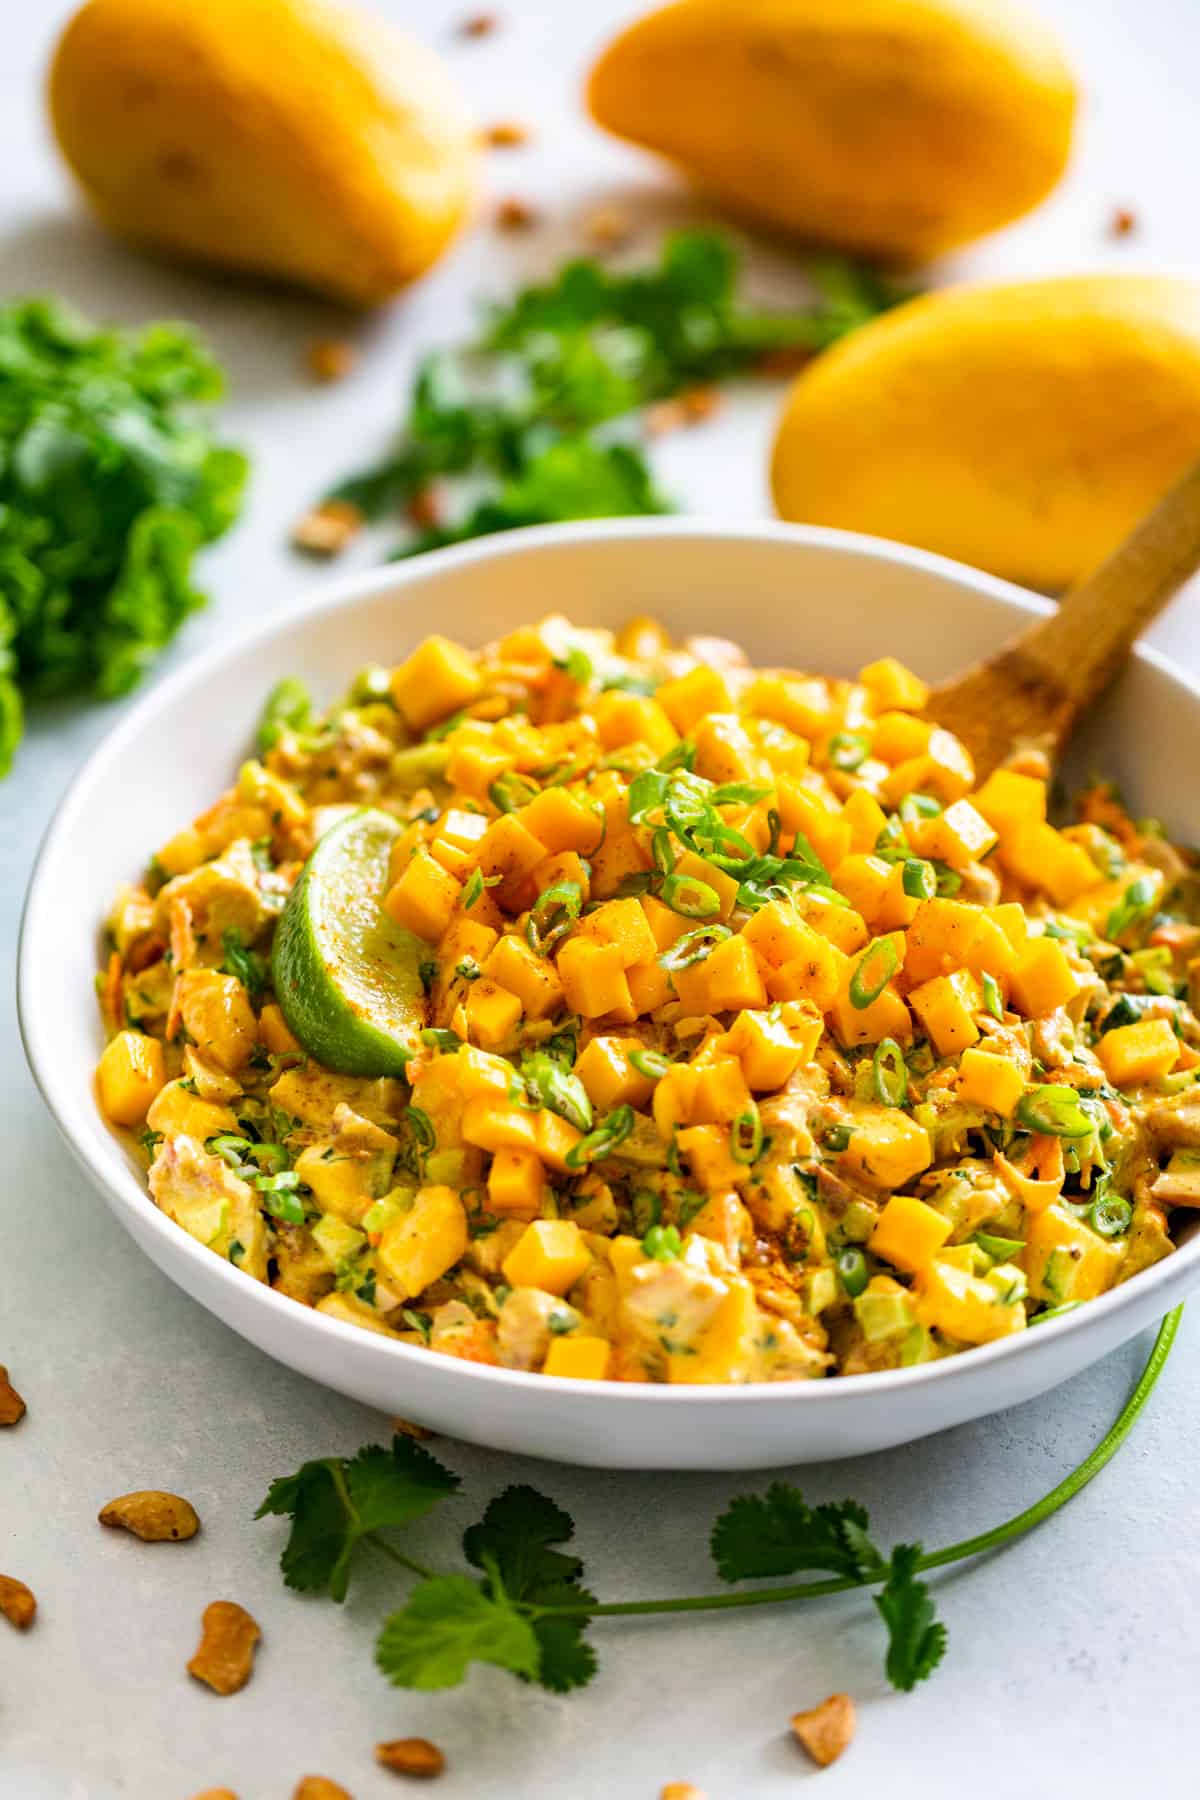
pixel 348 979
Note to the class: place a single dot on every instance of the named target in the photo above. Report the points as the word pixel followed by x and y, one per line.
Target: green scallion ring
pixel 890 1073
pixel 552 915
pixel 919 879
pixel 693 898
pixel 650 1063
pixel 746 1136
pixel 874 969
pixel 422 1127
pixel 603 1141
pixel 993 999
pixel 848 750
pixel 694 946
pixel 1054 1111
pixel 852 1270
pixel 1110 1216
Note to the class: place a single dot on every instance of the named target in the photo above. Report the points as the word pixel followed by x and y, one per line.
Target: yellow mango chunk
pixel 550 1254
pixel 493 1014
pixel 623 923
pixel 897 737
pixel 725 751
pixel 508 849
pixel 802 703
pixel 945 1006
pixel 1007 799
pixel 218 1017
pixel 768 1051
pixel 578 1358
pixel 177 1113
pixel 957 1302
pixel 693 696
pixel 886 1016
pixel 273 1029
pixel 959 835
pixel 724 981
pixel 891 684
pixel 839 925
pixel 865 818
pixel 593 979
pixel 555 1137
pixel 1044 859
pixel 516 1184
pixel 129 1077
pixel 1144 1051
pixel 532 978
pixel 909 1233
pixel 563 821
pixel 437 679
pixel 418 1247
pixel 608 1075
pixel 490 1122
pixel 802 808
pixel 709 1157
pixel 724 886
pixel 1064 1259
pixel 720 1093
pixel 649 987
pixel 424 898
pixel 1042 979
pixel 886 1147
pixel 991 1081
pixel 727 1348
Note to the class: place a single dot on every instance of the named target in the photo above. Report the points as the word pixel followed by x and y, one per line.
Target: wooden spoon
pixel 1031 693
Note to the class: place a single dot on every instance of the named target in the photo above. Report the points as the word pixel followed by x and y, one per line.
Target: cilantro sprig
pixel 523 422
pixel 521 1603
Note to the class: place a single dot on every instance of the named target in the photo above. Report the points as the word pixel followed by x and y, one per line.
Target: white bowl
pixel 822 600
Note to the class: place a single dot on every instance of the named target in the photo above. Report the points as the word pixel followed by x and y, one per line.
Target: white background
pixel 1074 1655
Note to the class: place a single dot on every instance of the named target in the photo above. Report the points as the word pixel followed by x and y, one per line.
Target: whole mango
pixel 893 128
pixel 296 139
pixel 1022 428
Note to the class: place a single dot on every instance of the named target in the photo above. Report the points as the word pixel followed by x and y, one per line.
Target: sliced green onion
pixel 680 756
pixel 421 1126
pixel 468 969
pixel 1055 1111
pixel 272 1159
pixel 556 1088
pixel 1110 1216
pixel 662 852
pixel 852 1270
pixel 440 1040
pixel 775 827
pixel 993 1000
pixel 694 946
pixel 837 1138
pixel 872 972
pixel 919 878
pixel 739 793
pixel 509 791
pixel 919 806
pixel 646 793
pixel 891 1076
pixel 694 899
pixel 662 1243
pixel 280 1197
pixel 650 1063
pixel 948 880
pixel 473 891
pixel 847 750
pixel 1055 1312
pixel 746 1136
pixel 1136 900
pixel 646 1209
pixel 601 1142
pixel 1000 1249
pixel 552 915
pixel 230 1149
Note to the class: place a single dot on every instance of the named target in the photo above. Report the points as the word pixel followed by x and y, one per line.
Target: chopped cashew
pixel 826 1730
pixel 17 1602
pixel 216 1794
pixel 682 1790
pixel 411 1756
pixel 225 1657
pixel 155 1517
pixel 12 1407
pixel 319 1787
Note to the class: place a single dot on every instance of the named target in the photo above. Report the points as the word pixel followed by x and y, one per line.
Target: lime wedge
pixel 347 978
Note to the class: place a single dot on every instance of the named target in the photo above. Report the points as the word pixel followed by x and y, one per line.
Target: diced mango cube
pixel 898 737
pixel 516 1184
pixel 768 1052
pixel 274 1031
pixel 129 1077
pixel 674 1097
pixel 693 696
pixel 508 849
pixel 940 937
pixel 988 1080
pixel 802 703
pixel 493 1014
pixel 886 1016
pixel 725 886
pixel 550 1254
pixel 887 1147
pixel 532 978
pixel 725 751
pixel 841 925
pixel 437 679
pixel 649 987
pixel 945 1007
pixel 555 1137
pixel 890 683
pixel 578 1358
pixel 721 1093
pixel 909 1233
pixel 593 979
pixel 424 898
pixel 710 1158
pixel 1144 1051
pixel 1007 799
pixel 491 1122
pixel 176 1112
pixel 1064 1259
pixel 866 819
pixel 563 821
pixel 418 1247
pixel 623 718
pixel 608 1075
pixel 957 1302
pixel 1044 859
pixel 1043 979
pixel 623 923
pixel 802 808
pixel 723 981
pixel 959 835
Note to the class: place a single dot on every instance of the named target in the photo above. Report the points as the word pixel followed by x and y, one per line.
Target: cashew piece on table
pixel 826 1730
pixel 153 1516
pixel 319 1787
pixel 411 1756
pixel 225 1658
pixel 17 1602
pixel 12 1407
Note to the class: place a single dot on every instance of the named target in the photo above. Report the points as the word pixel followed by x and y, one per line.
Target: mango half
pixel 1023 428
pixel 290 138
pixel 891 128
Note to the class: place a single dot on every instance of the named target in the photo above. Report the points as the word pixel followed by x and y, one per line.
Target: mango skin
pixel 290 138
pixel 891 128
pixel 1024 428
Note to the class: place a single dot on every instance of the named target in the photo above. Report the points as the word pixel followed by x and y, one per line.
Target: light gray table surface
pixel 1073 1655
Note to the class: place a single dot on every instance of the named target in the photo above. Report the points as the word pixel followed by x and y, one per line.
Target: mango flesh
pixel 894 128
pixel 296 139
pixel 1024 428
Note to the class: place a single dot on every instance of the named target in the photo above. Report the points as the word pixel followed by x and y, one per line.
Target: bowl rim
pixel 127 1195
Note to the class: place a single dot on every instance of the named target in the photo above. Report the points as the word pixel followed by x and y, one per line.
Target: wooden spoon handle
pixel 1079 648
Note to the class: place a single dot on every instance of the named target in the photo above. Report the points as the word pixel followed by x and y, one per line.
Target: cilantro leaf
pixel 514 1544
pixel 778 1533
pixel 245 964
pixel 916 1638
pixel 448 1623
pixel 336 1502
